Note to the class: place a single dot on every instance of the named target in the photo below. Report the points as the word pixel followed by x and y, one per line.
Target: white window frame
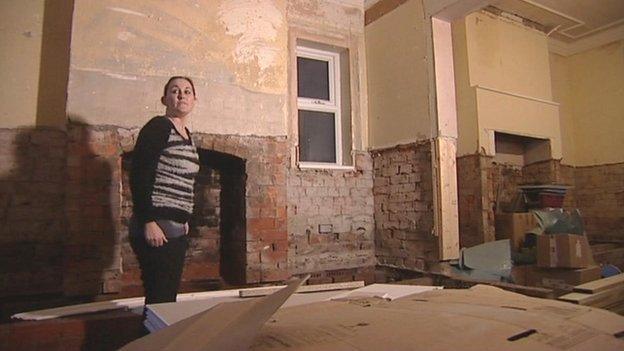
pixel 332 105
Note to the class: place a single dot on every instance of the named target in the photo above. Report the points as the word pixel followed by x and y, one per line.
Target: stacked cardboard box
pixel 514 226
pixel 559 279
pixel 563 251
pixel 563 260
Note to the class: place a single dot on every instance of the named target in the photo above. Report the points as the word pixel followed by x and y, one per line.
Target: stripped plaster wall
pixel 238 53
pixel 340 199
pixel 122 53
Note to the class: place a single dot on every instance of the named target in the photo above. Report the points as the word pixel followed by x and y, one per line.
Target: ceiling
pixel 572 25
pixel 570 20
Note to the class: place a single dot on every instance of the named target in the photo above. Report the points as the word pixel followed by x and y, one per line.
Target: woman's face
pixel 179 98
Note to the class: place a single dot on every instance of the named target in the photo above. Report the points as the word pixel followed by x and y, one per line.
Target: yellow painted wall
pixel 513 115
pixel 590 86
pixel 507 56
pixel 561 85
pixel 503 83
pixel 397 77
pixel 467 123
pixel 20 50
pixel 34 62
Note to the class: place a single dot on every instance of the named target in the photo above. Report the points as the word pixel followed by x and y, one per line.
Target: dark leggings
pixel 161 267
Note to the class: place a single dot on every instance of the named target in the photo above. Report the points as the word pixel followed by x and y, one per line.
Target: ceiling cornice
pixel 594 41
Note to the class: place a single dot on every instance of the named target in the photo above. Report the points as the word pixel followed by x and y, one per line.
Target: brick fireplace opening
pixel 238 230
pixel 220 200
pixel 217 245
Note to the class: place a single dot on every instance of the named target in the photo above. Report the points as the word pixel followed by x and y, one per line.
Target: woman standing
pixel 164 166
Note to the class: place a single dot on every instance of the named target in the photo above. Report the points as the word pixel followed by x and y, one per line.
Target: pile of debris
pixel 545 247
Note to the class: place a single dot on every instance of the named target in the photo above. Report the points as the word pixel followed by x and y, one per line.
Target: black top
pixel 164 166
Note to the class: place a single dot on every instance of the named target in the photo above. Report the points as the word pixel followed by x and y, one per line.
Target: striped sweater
pixel 164 166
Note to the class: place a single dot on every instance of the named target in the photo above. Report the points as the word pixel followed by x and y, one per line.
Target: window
pixel 324 124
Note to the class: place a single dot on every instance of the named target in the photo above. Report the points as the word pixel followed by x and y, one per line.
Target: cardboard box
pixel 554 278
pixel 563 251
pixel 514 226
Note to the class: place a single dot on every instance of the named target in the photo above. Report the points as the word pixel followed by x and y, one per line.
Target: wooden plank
pixel 543 293
pixel 255 292
pixel 381 8
pixel 446 218
pixel 574 297
pixel 600 285
pixel 126 303
pixel 600 299
pixel 443 270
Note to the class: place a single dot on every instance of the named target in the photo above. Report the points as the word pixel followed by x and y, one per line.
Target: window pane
pixel 317 138
pixel 313 78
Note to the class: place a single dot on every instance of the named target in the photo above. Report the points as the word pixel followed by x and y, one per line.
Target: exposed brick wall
pixel 404 206
pixel 32 219
pixel 505 181
pixel 92 256
pixel 365 274
pixel 86 249
pixel 203 256
pixel 340 198
pixel 475 199
pixel 261 234
pixel 597 191
pixel 65 205
pixel 484 185
pixel 599 194
pixel 266 240
pixel 552 172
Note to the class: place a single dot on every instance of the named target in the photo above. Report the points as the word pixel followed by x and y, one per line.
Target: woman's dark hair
pixel 179 77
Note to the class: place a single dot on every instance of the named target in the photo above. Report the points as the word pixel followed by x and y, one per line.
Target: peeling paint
pixel 256 24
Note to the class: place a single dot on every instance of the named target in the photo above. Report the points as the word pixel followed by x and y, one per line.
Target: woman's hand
pixel 154 236
pixel 186 228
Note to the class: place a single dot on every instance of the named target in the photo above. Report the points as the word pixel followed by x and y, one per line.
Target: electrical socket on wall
pixel 326 228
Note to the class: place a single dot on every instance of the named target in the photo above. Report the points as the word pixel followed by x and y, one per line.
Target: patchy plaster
pixel 256 23
pixel 339 16
pixel 236 51
pixel 258 26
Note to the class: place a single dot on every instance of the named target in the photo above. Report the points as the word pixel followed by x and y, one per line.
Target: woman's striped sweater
pixel 164 166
